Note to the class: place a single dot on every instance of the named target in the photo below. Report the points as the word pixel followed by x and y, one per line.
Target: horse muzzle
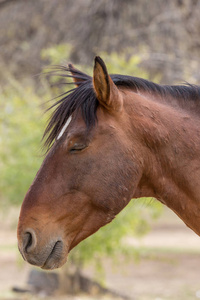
pixel 49 254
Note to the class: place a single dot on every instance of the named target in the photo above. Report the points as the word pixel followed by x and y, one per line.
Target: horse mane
pixel 83 98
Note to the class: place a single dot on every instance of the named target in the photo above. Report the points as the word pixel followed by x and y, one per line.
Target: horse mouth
pixel 54 260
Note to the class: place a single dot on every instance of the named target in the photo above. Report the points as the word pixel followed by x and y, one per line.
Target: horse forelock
pixel 81 98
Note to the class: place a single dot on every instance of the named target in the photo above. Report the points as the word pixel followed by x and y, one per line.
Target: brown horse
pixel 111 139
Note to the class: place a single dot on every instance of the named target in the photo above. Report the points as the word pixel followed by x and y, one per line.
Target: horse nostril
pixel 29 241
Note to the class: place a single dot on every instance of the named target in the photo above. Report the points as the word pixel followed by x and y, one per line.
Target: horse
pixel 110 139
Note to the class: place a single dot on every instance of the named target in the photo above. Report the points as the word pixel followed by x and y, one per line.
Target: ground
pixel 169 267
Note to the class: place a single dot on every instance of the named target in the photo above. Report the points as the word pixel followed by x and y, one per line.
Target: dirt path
pixel 168 269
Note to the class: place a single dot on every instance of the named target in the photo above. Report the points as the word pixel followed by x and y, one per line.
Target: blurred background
pixel 147 252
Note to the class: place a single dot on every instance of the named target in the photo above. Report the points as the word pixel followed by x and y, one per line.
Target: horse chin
pixel 53 263
pixel 57 258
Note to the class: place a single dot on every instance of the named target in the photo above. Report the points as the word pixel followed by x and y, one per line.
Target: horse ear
pixel 74 72
pixel 106 91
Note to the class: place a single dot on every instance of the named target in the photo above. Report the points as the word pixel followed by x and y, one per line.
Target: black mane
pixel 83 97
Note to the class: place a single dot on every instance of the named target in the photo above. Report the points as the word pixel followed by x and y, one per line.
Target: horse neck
pixel 170 139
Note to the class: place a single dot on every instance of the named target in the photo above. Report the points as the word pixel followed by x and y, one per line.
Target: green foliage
pixel 22 124
pixel 57 54
pixel 124 63
pixel 60 55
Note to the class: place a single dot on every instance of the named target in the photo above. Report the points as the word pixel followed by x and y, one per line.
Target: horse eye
pixel 77 147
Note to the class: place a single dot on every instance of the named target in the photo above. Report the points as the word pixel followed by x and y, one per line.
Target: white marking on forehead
pixel 64 127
